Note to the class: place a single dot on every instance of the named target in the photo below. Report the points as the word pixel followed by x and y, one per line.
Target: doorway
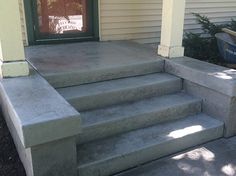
pixel 59 21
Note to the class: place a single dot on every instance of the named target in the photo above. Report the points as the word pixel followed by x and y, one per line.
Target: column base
pixel 14 69
pixel 171 52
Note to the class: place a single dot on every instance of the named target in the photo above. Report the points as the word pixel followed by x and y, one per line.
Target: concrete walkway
pixel 216 158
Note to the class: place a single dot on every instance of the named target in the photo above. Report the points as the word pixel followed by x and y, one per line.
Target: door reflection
pixel 62 16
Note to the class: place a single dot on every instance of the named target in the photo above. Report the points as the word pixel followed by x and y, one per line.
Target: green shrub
pixel 204 46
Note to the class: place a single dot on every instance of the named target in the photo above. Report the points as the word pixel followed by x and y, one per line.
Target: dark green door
pixel 54 21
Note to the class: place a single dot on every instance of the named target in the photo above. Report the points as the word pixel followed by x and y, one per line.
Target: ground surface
pixel 10 164
pixel 216 158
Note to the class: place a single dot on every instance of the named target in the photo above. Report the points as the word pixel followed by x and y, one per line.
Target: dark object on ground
pixel 10 164
pixel 227 47
pixel 204 46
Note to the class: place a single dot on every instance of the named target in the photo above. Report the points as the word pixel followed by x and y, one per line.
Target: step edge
pixel 196 102
pixel 219 125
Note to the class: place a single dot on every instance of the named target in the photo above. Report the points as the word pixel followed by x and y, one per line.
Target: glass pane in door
pixel 62 16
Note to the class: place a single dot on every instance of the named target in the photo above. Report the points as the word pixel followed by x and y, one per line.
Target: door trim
pixel 32 40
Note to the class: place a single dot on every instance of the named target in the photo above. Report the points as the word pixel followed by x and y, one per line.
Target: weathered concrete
pixel 216 85
pixel 37 111
pixel 57 158
pixel 216 104
pixel 216 158
pixel 43 126
pixel 122 118
pixel 107 93
pixel 46 159
pixel 131 149
pixel 78 63
pixel 212 76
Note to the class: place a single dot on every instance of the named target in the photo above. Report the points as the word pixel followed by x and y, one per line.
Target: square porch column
pixel 12 56
pixel 172 28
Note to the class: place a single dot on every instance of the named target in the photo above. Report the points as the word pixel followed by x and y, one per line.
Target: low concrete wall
pixel 214 84
pixel 43 125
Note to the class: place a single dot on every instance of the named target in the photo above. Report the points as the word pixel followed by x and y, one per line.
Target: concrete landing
pixel 65 64
pixel 216 158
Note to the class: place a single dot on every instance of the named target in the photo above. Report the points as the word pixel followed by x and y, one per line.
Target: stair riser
pixel 111 128
pixel 135 158
pixel 78 78
pixel 126 95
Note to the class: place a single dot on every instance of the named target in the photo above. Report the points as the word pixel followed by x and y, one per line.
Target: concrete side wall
pixel 215 104
pixel 214 84
pixel 140 20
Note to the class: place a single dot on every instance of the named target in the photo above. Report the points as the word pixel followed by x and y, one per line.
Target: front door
pixel 52 21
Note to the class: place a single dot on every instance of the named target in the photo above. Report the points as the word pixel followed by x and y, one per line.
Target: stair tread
pixel 118 146
pixel 114 85
pixel 127 110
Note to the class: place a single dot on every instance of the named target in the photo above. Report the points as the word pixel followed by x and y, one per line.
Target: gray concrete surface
pixel 72 64
pixel 107 93
pixel 57 158
pixel 217 158
pixel 215 104
pixel 131 149
pixel 122 118
pixel 38 113
pixel 216 85
pixel 43 125
pixel 220 79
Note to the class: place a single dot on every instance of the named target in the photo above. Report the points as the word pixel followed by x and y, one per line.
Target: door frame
pixel 30 17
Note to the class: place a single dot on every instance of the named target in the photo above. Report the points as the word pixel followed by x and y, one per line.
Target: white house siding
pixel 140 20
pixel 219 11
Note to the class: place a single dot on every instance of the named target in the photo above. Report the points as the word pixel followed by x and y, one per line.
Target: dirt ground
pixel 10 164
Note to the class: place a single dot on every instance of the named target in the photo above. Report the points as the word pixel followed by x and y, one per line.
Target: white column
pixel 12 56
pixel 172 28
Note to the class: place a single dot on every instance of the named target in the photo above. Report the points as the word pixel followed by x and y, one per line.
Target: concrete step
pixel 102 94
pixel 115 154
pixel 101 123
pixel 81 63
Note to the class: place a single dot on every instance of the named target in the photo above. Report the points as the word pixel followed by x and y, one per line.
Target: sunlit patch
pixel 197 154
pixel 186 131
pixel 229 170
pixel 187 168
pixel 230 71
pixel 184 166
pixel 222 75
pixel 207 154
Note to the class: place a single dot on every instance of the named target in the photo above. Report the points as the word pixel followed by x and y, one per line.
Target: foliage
pixel 204 46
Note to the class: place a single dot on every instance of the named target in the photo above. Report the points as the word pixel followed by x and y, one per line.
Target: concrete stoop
pixel 131 121
pixel 119 122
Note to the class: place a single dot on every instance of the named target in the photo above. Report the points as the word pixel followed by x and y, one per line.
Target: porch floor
pixel 84 57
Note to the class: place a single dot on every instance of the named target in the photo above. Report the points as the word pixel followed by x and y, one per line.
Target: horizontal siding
pixel 141 20
pixel 130 19
pixel 218 11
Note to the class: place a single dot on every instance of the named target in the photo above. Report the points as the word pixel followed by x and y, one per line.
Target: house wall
pixel 141 20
